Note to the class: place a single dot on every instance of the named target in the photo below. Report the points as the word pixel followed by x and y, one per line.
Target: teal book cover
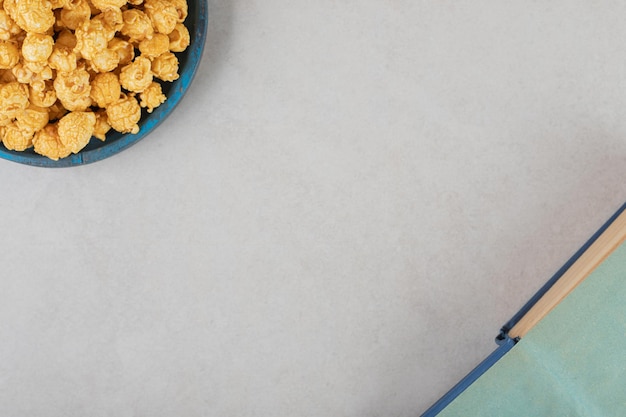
pixel 570 361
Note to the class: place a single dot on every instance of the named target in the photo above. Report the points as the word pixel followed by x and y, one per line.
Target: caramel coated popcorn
pixel 137 75
pixel 48 143
pixel 17 139
pixel 73 89
pixel 124 49
pixel 33 16
pixel 32 119
pixel 165 67
pixel 124 114
pixel 63 59
pixel 43 95
pixel 9 55
pixel 152 97
pixel 74 14
pixel 157 45
pixel 71 70
pixel 76 129
pixel 163 15
pixel 13 99
pixel 137 25
pixel 8 28
pixel 105 89
pixel 179 38
pixel 36 48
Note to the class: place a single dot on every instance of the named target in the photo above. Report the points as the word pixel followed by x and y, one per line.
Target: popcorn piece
pixel 181 8
pixel 137 25
pixel 31 15
pixel 63 59
pixel 108 30
pixel 45 97
pixel 124 49
pixel 156 45
pixel 124 114
pixel 13 99
pixel 37 47
pixel 48 143
pixel 152 97
pixel 73 89
pixel 179 38
pixel 105 61
pixel 76 129
pixel 74 14
pixel 8 28
pixel 105 89
pixel 162 14
pixel 17 139
pixel 102 125
pixel 165 67
pixel 137 75
pixel 32 119
pixel 91 38
pixel 112 18
pixel 9 55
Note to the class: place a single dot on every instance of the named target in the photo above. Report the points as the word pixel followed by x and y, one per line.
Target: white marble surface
pixel 336 221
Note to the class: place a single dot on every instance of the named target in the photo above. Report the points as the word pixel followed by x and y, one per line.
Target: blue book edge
pixel 503 339
pixel 505 345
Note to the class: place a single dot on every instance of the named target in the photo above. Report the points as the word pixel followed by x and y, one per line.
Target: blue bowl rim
pixel 178 89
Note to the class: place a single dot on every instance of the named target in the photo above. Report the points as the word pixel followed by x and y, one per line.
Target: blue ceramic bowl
pixel 116 142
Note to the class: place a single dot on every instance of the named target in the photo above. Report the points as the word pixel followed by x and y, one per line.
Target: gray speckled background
pixel 336 220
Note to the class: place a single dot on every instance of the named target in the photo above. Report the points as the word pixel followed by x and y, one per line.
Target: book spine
pixel 504 331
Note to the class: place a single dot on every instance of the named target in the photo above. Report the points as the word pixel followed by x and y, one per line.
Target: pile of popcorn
pixel 73 69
